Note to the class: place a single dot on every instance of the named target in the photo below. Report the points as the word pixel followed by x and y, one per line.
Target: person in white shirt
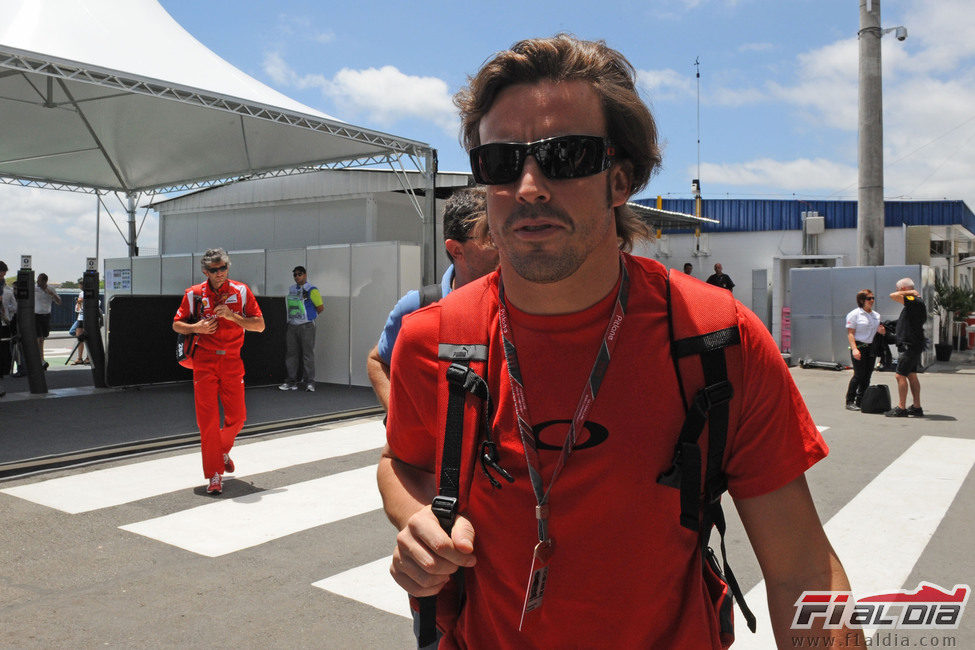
pixel 44 297
pixel 862 324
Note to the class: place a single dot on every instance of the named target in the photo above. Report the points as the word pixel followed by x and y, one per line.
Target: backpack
pixel 463 353
pixel 429 294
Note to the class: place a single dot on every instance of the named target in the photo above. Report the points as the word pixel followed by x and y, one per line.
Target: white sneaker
pixel 310 388
pixel 288 386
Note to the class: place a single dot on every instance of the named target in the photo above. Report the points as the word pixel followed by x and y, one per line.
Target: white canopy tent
pixel 102 95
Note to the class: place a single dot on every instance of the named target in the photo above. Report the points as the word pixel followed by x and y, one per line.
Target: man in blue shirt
pixel 470 259
pixel 304 303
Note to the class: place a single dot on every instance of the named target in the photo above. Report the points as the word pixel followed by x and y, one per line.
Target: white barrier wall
pixel 359 283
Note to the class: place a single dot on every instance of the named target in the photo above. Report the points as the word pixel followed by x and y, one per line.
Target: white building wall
pixel 739 253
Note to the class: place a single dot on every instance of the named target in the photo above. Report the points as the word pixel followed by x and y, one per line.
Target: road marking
pixel 370 584
pixel 117 485
pixel 234 524
pixel 821 429
pixel 880 534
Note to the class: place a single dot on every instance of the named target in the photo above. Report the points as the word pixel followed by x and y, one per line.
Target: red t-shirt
pixel 625 573
pixel 236 295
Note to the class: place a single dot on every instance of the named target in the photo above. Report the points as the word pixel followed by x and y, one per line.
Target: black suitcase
pixel 876 399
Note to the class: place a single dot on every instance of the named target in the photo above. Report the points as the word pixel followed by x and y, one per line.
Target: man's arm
pixel 425 556
pixel 378 372
pixel 795 556
pixel 205 326
pixel 898 296
pixel 249 323
pixel 316 300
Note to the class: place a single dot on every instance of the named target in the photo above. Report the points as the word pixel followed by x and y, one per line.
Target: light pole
pixel 870 152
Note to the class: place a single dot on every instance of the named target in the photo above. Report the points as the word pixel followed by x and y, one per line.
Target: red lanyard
pixel 586 400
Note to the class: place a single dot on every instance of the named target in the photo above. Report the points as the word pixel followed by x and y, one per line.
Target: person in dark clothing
pixel 910 344
pixel 720 279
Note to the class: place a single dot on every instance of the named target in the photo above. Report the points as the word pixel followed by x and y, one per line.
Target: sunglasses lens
pixel 569 156
pixel 497 163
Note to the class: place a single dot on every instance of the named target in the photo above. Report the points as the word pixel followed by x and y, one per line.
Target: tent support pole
pixel 130 209
pixel 430 219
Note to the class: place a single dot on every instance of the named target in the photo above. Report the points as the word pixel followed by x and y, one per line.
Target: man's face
pixel 217 273
pixel 480 258
pixel 299 276
pixel 545 229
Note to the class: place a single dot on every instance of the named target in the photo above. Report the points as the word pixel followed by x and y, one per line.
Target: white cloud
pixel 665 85
pixel 793 175
pixel 383 95
pixel 300 27
pixel 57 229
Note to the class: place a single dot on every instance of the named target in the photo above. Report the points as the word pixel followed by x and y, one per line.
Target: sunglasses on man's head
pixel 216 269
pixel 559 158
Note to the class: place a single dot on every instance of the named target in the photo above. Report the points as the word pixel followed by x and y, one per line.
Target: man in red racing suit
pixel 226 309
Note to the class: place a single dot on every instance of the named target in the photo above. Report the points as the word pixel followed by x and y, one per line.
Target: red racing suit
pixel 218 372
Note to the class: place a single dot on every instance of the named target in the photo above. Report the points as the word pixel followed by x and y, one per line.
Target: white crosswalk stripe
pixel 117 485
pixel 231 525
pixel 370 584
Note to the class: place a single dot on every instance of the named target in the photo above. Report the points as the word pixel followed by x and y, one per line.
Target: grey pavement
pixel 77 580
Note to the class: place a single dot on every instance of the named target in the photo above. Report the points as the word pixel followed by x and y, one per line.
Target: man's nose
pixel 532 186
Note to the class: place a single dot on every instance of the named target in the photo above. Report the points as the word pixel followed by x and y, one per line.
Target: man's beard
pixel 535 262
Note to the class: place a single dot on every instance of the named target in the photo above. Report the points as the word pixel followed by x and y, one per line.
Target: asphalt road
pixel 288 555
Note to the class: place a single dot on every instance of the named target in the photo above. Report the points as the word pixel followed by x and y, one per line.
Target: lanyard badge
pixel 544 549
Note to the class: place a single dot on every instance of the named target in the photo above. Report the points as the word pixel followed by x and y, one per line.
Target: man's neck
pixel 215 288
pixel 588 285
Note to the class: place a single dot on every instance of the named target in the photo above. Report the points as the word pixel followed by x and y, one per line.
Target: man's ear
pixel 454 247
pixel 621 182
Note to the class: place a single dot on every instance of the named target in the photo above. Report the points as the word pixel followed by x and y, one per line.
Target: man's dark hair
pixel 3 266
pixel 461 211
pixel 299 269
pixel 629 124
pixel 42 277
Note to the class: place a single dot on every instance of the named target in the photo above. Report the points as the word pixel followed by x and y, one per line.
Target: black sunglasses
pixel 297 273
pixel 216 269
pixel 559 158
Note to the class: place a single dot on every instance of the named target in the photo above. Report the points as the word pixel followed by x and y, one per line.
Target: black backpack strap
pixel 430 293
pixel 461 380
pixel 710 405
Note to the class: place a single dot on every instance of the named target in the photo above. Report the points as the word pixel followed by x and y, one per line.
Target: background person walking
pixel 862 324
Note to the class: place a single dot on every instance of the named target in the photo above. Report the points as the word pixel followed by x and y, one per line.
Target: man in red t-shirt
pixel 222 310
pixel 557 132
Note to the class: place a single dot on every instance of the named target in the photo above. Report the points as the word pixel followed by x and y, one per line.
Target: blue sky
pixel 778 90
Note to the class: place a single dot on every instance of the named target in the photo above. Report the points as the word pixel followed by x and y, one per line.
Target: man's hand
pixel 425 556
pixel 205 326
pixel 223 311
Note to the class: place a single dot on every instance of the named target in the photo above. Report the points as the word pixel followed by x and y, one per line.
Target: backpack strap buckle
pixel 714 395
pixel 445 509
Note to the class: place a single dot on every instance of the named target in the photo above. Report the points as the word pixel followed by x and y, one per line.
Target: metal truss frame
pixel 14 61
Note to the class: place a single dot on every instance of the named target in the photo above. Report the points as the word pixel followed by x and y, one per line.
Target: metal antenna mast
pixel 697 64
